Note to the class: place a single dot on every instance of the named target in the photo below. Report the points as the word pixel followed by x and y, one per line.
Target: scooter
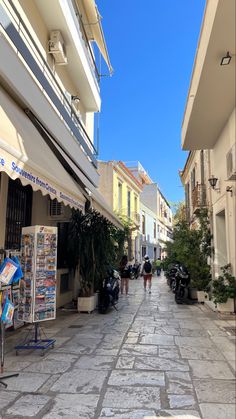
pixel 135 270
pixel 182 282
pixel 171 276
pixel 109 293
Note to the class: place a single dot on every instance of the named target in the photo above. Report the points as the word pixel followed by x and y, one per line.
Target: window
pixel 143 224
pixel 154 229
pixel 119 196
pixel 193 179
pixel 144 251
pixel 136 204
pixel 129 203
pixel 55 208
pixel 187 201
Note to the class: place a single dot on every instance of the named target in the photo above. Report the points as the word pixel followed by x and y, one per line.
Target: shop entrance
pixel 18 215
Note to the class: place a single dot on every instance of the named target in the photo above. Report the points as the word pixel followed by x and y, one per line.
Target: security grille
pixel 18 215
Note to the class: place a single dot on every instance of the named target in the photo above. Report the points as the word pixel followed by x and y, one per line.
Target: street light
pixel 213 181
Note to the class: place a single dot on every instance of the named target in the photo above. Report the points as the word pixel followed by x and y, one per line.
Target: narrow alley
pixel 152 358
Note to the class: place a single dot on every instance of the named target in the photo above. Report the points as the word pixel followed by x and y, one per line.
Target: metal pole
pixel 2 345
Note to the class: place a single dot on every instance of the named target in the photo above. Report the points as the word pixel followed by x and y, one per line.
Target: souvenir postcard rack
pixel 37 296
pixel 11 292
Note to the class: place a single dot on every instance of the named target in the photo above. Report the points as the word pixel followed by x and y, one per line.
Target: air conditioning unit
pixel 231 163
pixel 56 47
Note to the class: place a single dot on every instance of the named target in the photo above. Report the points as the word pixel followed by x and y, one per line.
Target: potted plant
pixel 224 290
pixel 93 245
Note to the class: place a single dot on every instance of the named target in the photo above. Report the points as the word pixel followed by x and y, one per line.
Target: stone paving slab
pixel 132 398
pixel 28 406
pixel 6 398
pixel 136 378
pixel 127 414
pixel 217 411
pixel 27 382
pixel 211 369
pixel 213 391
pixel 73 406
pixel 160 364
pixel 80 381
pixel 98 362
pixel 151 359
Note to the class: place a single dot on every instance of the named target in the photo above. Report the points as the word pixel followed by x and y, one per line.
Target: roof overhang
pixel 211 97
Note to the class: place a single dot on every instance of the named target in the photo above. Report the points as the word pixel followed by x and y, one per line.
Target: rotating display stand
pixel 37 295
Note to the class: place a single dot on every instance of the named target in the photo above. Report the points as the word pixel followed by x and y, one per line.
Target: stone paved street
pixel 150 359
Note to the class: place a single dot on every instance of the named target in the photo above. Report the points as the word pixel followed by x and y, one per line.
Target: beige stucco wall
pixel 222 200
pixel 105 171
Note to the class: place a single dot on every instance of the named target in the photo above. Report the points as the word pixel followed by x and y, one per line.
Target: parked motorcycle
pixel 182 278
pixel 135 270
pixel 170 276
pixel 109 293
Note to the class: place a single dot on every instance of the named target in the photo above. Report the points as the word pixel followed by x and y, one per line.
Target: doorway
pixel 221 239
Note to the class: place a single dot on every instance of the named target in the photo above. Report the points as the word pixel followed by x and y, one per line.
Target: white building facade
pixel 49 94
pixel 155 217
pixel 208 129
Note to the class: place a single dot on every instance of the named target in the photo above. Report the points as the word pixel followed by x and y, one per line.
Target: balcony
pixel 199 197
pixel 135 217
pixel 24 47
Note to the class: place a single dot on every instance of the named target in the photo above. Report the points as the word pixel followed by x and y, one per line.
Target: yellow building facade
pixel 121 190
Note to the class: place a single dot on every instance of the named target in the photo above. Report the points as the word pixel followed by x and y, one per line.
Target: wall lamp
pixel 213 181
pixel 230 190
pixel 226 59
pixel 75 98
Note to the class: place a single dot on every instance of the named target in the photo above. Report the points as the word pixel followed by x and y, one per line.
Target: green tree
pixel 192 247
pixel 94 244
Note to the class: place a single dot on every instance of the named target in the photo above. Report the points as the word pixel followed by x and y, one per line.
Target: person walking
pixel 158 266
pixel 124 270
pixel 146 271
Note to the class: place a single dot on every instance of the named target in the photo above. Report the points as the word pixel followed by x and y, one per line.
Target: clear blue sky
pixel 152 46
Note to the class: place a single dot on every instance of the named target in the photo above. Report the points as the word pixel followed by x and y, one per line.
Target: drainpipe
pixel 211 214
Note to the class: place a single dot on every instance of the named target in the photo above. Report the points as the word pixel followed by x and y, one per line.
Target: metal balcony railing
pixel 199 196
pixel 25 46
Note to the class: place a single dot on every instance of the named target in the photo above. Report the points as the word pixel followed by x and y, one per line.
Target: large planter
pixel 227 307
pixel 87 304
pixel 202 296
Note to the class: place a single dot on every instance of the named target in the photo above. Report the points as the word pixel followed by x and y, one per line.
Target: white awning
pixel 25 155
pixel 97 200
pixel 95 28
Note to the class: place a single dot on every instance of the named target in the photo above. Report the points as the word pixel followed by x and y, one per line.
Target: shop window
pixel 62 245
pixel 18 214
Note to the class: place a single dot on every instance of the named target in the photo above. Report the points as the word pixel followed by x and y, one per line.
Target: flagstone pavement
pixel 151 359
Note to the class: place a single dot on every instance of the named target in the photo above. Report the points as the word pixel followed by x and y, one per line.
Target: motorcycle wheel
pixel 104 304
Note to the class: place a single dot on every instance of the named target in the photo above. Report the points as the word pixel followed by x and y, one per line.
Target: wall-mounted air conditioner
pixel 56 47
pixel 231 163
